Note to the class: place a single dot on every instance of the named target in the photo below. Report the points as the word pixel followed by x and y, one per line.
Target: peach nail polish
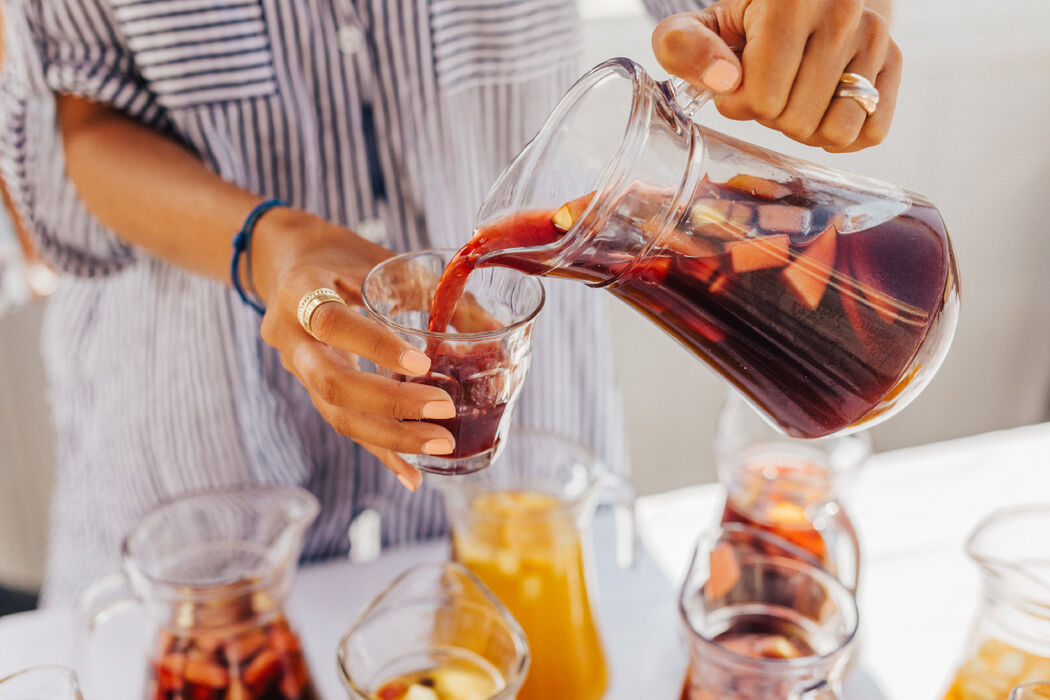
pixel 439 409
pixel 721 75
pixel 414 362
pixel 438 446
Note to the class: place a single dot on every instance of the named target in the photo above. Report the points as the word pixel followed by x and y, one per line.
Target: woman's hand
pixel 293 254
pixel 794 54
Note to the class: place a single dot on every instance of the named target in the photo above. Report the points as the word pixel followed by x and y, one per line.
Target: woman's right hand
pixel 294 253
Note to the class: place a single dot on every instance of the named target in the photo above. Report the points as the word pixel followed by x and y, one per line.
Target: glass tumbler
pixel 1031 691
pixel 791 487
pixel 435 633
pixel 762 622
pixel 481 361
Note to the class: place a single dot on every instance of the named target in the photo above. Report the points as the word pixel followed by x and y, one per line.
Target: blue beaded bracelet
pixel 241 243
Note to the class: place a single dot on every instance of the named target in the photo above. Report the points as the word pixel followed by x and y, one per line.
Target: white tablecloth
pixel 913 509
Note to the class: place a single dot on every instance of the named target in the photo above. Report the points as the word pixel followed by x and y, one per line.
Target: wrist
pixel 277 244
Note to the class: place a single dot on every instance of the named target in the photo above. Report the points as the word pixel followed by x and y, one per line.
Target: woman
pixel 140 134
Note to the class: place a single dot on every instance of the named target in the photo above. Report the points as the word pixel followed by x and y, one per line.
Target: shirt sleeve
pixel 62 46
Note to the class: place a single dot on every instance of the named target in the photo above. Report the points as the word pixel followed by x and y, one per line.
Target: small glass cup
pixel 1032 691
pixel 41 683
pixel 481 362
pixel 436 626
pixel 791 487
pixel 763 622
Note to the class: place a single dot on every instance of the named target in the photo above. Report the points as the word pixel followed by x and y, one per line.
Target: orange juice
pixel 996 668
pixel 526 547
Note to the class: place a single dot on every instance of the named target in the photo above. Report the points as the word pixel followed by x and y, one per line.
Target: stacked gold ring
pixel 861 90
pixel 309 303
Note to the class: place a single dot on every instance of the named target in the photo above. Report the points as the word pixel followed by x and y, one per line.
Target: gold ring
pixel 860 89
pixel 309 303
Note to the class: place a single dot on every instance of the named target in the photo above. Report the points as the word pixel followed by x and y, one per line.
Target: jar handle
pixel 689 97
pixel 102 599
pixel 622 498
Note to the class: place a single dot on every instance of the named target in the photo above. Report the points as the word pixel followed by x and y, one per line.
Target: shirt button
pixel 373 230
pixel 351 38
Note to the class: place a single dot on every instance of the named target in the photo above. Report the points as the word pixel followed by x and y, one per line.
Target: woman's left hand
pixel 794 53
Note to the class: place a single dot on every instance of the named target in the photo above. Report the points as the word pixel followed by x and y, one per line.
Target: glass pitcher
pixel 790 487
pixel 829 300
pixel 523 527
pixel 435 633
pixel 212 571
pixel 1009 643
pixel 41 683
pixel 763 620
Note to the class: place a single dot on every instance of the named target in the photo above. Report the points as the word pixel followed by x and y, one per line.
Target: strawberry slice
pixel 759 187
pixel 393 690
pixel 808 275
pixel 759 253
pixel 784 218
pixel 724 571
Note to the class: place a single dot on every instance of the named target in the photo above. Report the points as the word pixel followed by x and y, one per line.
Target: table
pixel 913 509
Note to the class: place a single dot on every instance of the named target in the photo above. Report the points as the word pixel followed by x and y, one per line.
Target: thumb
pixel 690 46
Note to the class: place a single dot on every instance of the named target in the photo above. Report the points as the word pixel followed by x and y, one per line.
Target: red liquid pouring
pixel 816 326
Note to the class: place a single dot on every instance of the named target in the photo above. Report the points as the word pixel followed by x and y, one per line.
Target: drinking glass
pixel 524 528
pixel 41 683
pixel 481 361
pixel 1009 642
pixel 763 620
pixel 791 487
pixel 439 627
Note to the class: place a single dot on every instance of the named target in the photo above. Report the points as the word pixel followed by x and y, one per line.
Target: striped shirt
pixel 390 117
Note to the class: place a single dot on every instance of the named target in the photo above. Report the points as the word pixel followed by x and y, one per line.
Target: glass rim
pixel 65 671
pixel 801 566
pixel 446 336
pixel 513 627
pixel 182 590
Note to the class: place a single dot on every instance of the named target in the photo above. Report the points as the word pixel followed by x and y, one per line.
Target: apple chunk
pixel 808 275
pixel 759 253
pixel 769 190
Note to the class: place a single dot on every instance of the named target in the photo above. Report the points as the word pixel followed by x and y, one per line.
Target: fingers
pixel 336 381
pixel 794 54
pixel 409 476
pixel 691 46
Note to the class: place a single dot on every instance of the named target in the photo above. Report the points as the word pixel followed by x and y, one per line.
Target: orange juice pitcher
pixel 523 528
pixel 1009 643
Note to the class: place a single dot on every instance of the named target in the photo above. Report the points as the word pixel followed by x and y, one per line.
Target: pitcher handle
pixel 622 497
pixel 689 97
pixel 102 599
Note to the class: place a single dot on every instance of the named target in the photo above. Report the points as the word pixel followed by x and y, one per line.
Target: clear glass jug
pixel 790 487
pixel 829 300
pixel 763 620
pixel 435 633
pixel 212 571
pixel 41 683
pixel 523 526
pixel 1009 643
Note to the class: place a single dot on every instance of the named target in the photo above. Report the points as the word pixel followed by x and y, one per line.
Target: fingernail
pixel 721 75
pixel 414 362
pixel 438 446
pixel 407 483
pixel 439 409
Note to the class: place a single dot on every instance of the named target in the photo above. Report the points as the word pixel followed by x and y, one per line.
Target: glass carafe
pixel 523 526
pixel 212 571
pixel 1009 643
pixel 828 299
pixel 763 620
pixel 790 487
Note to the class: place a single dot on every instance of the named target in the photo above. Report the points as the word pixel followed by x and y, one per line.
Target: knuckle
pixel 875 28
pixel 766 107
pixel 327 387
pixel 838 134
pixel 324 322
